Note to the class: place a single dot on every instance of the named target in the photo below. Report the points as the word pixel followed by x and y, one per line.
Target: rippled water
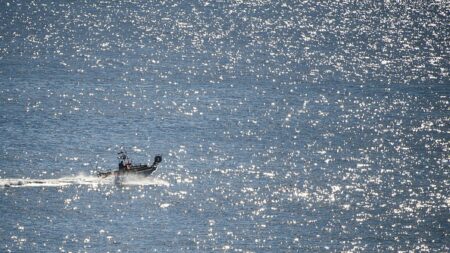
pixel 284 126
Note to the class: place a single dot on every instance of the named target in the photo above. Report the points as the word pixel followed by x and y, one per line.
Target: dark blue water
pixel 284 127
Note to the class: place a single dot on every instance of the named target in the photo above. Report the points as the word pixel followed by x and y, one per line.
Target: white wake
pixel 81 180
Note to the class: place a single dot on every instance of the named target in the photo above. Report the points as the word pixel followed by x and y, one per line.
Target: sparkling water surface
pixel 284 126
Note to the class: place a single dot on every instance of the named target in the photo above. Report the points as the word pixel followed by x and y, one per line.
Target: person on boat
pixel 124 163
pixel 128 165
pixel 121 166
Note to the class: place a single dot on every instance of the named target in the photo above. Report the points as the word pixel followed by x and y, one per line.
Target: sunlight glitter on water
pixel 296 126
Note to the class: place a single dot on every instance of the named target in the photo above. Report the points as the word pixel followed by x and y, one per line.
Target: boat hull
pixel 140 170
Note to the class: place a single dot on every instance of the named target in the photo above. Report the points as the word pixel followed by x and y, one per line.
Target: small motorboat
pixel 127 168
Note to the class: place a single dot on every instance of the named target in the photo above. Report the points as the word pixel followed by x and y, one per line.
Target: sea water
pixel 284 126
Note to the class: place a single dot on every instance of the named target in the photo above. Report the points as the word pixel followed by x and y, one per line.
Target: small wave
pixel 81 180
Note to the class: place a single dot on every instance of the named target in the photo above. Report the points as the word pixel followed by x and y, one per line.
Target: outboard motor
pixel 158 159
